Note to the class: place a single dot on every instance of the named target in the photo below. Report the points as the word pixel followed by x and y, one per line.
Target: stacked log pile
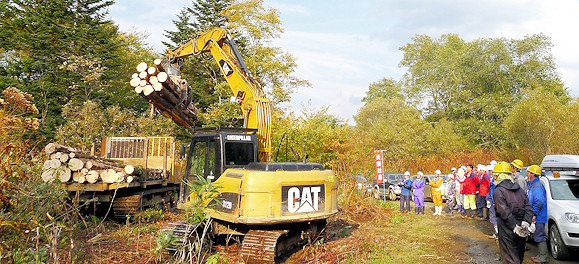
pixel 170 94
pixel 69 165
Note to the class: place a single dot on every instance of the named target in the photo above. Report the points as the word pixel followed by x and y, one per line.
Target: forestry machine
pixel 273 206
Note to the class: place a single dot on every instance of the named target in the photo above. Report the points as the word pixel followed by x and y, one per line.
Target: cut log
pixel 75 164
pixel 135 81
pixel 77 174
pixel 71 155
pixel 108 176
pixel 55 163
pixel 139 89
pixel 129 169
pixel 152 70
pixel 119 176
pixel 157 87
pixel 130 178
pixel 88 164
pixel 55 155
pixel 55 147
pixel 98 163
pixel 48 175
pixel 143 83
pixel 82 179
pixel 135 75
pixel 162 77
pixel 153 80
pixel 64 174
pixel 46 165
pixel 148 90
pixel 143 75
pixel 141 67
pixel 63 157
pixel 92 176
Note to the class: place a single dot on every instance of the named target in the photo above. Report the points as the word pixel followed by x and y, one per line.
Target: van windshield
pixel 564 189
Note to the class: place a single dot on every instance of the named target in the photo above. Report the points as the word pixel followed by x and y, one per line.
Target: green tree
pixel 89 123
pixel 391 125
pixel 39 36
pixel 385 88
pixel 475 84
pixel 316 135
pixel 543 123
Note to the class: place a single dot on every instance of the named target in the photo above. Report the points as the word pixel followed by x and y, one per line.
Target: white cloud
pixel 342 46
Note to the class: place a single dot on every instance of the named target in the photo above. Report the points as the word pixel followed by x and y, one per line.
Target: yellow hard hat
pixel 517 164
pixel 534 169
pixel 502 167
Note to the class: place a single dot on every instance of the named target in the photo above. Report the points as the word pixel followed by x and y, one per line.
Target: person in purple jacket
pixel 418 191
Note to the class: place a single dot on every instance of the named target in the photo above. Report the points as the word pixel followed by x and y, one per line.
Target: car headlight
pixel 571 217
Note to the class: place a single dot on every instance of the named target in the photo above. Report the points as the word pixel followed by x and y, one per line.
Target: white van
pixel 561 181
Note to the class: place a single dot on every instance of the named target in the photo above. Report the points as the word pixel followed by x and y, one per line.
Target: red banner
pixel 379 166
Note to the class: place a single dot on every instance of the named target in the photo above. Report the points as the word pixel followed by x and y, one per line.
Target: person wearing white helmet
pixel 484 191
pixel 418 191
pixel 460 181
pixel 436 193
pixel 450 191
pixel 406 193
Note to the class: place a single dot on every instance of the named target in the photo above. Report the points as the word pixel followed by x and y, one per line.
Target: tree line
pixel 496 95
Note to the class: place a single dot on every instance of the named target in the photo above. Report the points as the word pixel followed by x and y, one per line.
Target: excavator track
pixel 260 246
pixel 127 205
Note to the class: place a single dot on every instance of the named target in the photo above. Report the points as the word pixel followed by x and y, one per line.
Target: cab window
pixel 239 153
pixel 203 158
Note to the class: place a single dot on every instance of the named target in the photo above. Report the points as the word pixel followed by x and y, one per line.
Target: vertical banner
pixel 379 166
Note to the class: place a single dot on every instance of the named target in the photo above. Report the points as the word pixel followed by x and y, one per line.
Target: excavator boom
pixel 248 93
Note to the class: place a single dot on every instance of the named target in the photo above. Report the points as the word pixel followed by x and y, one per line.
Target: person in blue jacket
pixel 538 201
pixel 406 193
pixel 490 201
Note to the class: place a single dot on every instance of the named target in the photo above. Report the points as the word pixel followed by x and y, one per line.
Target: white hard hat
pixel 453 169
pixel 493 162
pixel 483 167
pixel 420 173
pixel 491 167
pixel 463 168
pixel 480 167
pixel 406 173
pixel 450 175
pixel 437 172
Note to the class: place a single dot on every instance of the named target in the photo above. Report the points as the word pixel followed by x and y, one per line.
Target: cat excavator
pixel 272 206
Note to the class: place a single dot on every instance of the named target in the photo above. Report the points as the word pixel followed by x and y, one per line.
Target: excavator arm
pixel 248 93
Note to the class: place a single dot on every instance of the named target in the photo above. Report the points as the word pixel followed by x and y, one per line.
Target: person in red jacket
pixel 483 191
pixel 470 192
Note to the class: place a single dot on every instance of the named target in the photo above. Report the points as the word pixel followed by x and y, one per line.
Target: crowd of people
pixel 515 205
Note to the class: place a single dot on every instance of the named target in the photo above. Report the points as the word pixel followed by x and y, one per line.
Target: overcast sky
pixel 342 46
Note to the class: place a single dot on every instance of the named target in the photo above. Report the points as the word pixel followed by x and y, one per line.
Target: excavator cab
pixel 212 151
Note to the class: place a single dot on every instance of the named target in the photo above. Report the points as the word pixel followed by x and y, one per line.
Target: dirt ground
pixel 357 234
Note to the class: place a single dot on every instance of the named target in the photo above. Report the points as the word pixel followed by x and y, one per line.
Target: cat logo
pixel 303 199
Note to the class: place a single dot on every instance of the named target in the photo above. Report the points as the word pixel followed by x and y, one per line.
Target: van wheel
pixel 392 195
pixel 558 248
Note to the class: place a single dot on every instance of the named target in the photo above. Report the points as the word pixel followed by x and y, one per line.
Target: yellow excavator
pixel 273 206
